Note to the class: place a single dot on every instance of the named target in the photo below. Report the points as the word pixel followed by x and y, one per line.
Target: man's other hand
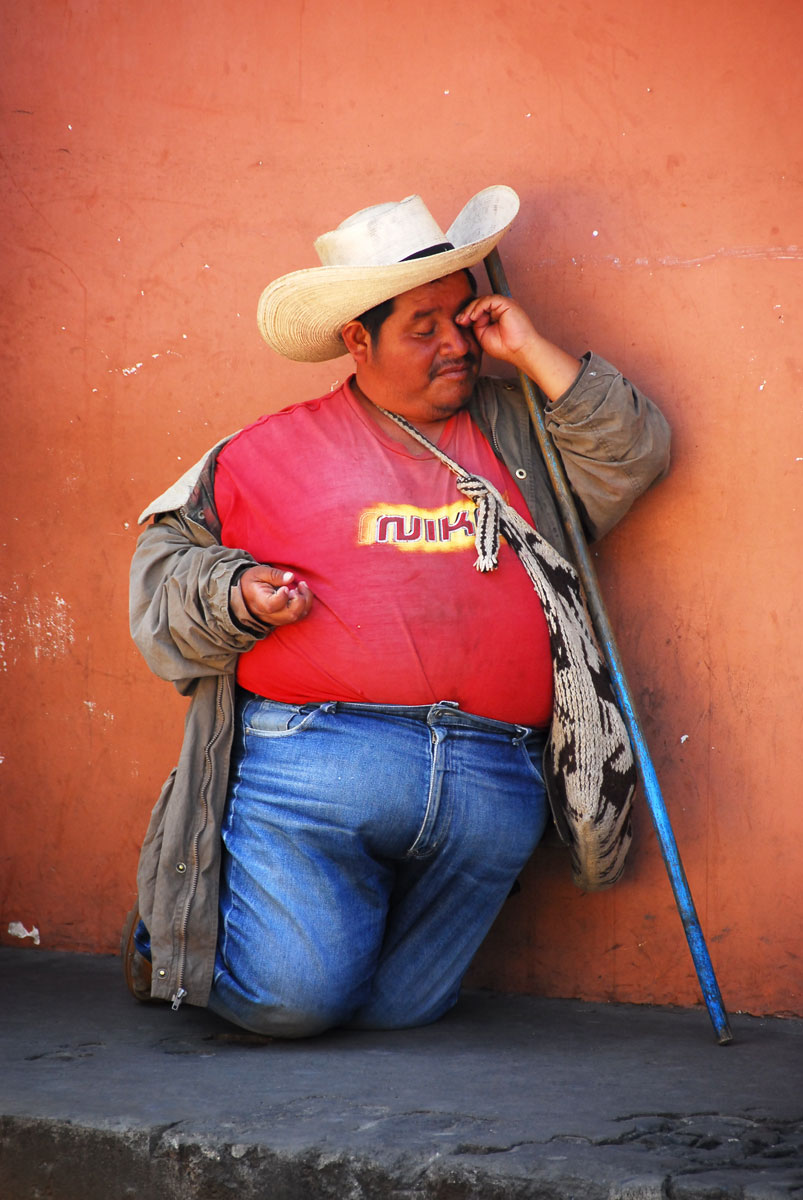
pixel 501 326
pixel 504 330
pixel 273 596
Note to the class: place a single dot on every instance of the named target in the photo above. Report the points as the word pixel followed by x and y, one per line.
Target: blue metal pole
pixel 604 631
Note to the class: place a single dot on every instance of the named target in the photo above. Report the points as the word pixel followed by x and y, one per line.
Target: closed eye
pixel 424 333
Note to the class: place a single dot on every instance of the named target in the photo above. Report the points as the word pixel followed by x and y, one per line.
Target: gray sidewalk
pixel 506 1097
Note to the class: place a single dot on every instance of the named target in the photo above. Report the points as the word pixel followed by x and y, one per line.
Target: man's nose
pixel 456 341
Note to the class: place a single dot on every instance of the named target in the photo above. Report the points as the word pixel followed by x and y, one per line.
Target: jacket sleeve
pixel 179 603
pixel 613 441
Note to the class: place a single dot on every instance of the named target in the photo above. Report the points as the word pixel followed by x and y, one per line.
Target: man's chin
pixel 452 390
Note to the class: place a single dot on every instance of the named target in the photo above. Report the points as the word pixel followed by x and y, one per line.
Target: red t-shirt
pixel 386 543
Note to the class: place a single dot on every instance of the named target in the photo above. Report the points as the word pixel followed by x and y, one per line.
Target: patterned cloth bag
pixel 589 770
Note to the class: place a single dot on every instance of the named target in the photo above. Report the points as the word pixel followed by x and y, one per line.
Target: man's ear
pixel 357 340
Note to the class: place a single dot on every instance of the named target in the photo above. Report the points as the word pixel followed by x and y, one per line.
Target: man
pixel 360 781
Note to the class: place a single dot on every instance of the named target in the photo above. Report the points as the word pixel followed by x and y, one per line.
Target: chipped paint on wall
pixel 50 626
pixel 37 622
pixel 17 929
pixel 91 707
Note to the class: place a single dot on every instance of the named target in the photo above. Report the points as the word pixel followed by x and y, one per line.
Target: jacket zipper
pixel 491 419
pixel 181 992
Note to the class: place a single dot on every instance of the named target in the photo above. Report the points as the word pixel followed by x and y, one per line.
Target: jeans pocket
pixel 270 719
pixel 533 750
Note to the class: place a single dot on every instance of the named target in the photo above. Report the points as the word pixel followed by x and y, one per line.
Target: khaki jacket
pixel 614 444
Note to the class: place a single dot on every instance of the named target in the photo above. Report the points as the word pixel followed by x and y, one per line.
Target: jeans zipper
pixel 497 449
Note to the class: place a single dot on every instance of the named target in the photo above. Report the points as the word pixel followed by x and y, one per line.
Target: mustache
pixel 469 359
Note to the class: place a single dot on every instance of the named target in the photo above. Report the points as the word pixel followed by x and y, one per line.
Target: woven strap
pixel 493 513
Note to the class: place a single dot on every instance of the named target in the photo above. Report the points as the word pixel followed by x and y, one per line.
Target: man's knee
pixel 285 1022
pixel 288 1013
pixel 281 1021
pixel 402 1013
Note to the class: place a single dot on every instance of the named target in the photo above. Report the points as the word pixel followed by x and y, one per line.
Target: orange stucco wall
pixel 162 161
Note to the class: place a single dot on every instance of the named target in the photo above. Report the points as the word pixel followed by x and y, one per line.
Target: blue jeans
pixel 366 853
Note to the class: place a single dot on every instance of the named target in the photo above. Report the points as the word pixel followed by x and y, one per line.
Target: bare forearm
pixel 552 369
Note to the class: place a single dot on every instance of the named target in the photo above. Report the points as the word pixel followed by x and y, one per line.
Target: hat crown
pixel 374 254
pixel 381 235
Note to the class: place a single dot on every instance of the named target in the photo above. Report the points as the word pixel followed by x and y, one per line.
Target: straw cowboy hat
pixel 377 253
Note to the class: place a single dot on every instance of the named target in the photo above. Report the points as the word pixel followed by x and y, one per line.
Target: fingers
pixel 287 605
pixel 272 596
pixel 501 326
pixel 264 573
pixel 490 307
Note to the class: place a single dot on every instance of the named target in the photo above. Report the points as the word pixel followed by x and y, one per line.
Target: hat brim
pixel 301 314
